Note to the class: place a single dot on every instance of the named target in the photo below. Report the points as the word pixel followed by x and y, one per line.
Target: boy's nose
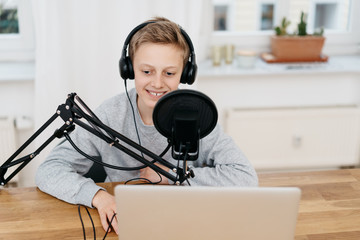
pixel 157 81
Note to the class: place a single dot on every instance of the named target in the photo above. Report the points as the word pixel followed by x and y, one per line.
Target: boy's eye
pixel 146 72
pixel 169 73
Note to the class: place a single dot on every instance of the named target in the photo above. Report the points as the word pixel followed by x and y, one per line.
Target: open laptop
pixel 206 213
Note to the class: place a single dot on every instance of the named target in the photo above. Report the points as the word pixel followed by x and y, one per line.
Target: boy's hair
pixel 161 31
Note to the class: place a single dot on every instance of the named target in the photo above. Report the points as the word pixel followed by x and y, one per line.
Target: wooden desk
pixel 330 203
pixel 329 209
pixel 28 213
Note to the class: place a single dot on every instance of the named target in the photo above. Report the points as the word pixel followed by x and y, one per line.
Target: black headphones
pixel 126 68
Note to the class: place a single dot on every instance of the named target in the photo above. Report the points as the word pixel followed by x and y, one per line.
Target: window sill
pixel 335 64
pixel 17 71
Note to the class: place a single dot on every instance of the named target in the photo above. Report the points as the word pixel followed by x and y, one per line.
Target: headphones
pixel 126 68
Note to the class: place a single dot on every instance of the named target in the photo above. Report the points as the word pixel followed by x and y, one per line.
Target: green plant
pixel 301 28
pixel 281 30
pixel 302 25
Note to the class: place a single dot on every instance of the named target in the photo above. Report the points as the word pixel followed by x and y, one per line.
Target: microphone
pixel 184 117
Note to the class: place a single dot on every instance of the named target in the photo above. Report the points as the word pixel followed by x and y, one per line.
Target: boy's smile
pixel 156 94
pixel 157 68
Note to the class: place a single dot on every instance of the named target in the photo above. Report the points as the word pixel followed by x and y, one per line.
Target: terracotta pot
pixel 293 48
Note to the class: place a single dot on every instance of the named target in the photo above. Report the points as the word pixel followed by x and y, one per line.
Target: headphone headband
pixel 126 68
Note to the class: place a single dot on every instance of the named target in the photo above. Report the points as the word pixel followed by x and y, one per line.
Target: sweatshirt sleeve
pixel 60 175
pixel 221 163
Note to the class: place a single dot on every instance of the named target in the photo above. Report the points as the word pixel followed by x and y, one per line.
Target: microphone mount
pixel 72 113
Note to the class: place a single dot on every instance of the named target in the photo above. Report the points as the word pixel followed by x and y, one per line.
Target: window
pixel 331 15
pixel 243 15
pixel 9 23
pixel 220 21
pixel 224 11
pixel 267 17
pixel 324 16
pixel 16 30
pixel 249 23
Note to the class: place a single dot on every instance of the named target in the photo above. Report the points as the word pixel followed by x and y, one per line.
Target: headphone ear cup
pixel 189 73
pixel 184 74
pixel 126 68
pixel 130 68
pixel 123 68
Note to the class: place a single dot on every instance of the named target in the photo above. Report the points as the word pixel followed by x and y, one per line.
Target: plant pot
pixel 297 48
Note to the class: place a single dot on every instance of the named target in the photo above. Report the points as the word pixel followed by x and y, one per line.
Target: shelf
pixel 270 58
pixel 335 64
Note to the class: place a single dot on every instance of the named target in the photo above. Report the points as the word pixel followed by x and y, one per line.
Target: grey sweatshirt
pixel 220 162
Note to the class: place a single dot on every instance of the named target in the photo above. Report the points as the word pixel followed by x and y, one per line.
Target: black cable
pixel 67 136
pixel 107 230
pixel 166 149
pixel 185 165
pixel 92 223
pixel 95 128
pixel 178 164
pixel 133 112
pixel 145 179
pixel 135 179
pixel 82 223
pixel 138 136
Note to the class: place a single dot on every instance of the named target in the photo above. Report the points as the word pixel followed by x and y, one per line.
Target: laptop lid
pixel 211 213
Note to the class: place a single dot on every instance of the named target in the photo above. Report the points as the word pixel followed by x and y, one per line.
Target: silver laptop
pixel 206 213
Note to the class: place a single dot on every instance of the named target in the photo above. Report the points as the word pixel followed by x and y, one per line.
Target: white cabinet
pixel 292 138
pixel 289 116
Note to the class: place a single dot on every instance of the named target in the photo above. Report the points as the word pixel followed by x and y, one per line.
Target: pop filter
pixel 184 117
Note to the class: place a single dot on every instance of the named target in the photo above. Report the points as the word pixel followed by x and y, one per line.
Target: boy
pixel 158 54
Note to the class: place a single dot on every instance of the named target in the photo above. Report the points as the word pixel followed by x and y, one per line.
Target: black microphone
pixel 184 117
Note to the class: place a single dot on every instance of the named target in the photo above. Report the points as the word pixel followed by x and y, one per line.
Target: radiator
pixel 7 141
pixel 292 138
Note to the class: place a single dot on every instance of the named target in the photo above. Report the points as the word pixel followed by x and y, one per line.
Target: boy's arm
pixel 221 163
pixel 60 175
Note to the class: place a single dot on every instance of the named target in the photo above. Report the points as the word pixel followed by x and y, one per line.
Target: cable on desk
pixel 145 179
pixel 112 218
pixel 82 223
pixel 92 223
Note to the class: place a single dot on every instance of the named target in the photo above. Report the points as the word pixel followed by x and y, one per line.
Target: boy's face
pixel 157 69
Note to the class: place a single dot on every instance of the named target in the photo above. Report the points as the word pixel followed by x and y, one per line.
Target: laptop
pixel 206 213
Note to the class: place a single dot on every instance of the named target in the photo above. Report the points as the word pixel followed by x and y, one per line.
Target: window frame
pixel 230 13
pixel 313 10
pixel 337 42
pixel 21 46
pixel 259 13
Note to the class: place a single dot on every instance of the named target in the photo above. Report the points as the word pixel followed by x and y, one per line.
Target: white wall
pixel 17 101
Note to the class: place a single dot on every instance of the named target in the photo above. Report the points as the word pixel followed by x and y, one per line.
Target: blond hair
pixel 160 31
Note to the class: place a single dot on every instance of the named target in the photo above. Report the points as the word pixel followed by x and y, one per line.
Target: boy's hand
pixel 106 206
pixel 151 175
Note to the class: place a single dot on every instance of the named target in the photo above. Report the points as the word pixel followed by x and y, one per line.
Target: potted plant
pixel 297 47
